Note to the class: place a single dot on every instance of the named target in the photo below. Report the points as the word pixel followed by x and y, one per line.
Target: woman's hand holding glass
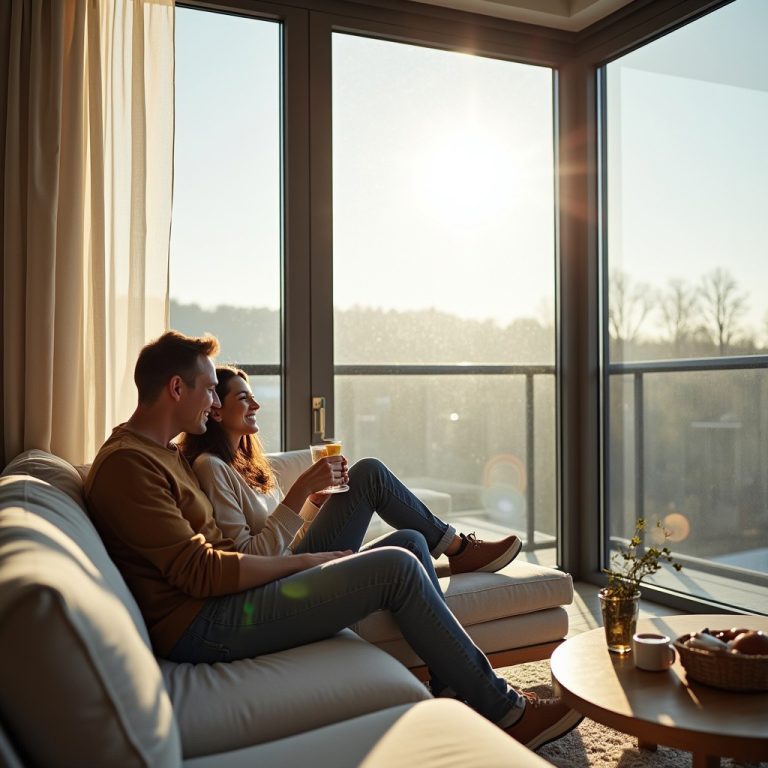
pixel 328 456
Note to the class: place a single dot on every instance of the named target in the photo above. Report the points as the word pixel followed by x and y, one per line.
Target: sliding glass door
pixel 444 278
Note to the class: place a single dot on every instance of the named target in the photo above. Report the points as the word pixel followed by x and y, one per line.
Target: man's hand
pixel 256 570
pixel 311 559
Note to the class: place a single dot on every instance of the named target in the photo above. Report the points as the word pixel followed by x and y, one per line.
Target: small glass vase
pixel 619 620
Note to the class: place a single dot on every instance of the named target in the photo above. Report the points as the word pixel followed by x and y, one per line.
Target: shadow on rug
pixel 592 745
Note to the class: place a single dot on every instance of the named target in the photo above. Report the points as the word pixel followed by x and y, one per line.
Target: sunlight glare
pixel 467 176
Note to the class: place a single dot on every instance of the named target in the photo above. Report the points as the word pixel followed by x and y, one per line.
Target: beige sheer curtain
pixel 86 161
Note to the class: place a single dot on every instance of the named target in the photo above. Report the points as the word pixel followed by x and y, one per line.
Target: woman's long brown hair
pixel 248 460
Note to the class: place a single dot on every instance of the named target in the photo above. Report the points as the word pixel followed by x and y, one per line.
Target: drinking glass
pixel 320 451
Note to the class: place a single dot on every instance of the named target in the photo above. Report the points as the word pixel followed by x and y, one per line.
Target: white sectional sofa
pixel 79 685
pixel 515 615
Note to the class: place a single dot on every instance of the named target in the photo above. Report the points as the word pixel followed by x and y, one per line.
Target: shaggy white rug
pixel 592 745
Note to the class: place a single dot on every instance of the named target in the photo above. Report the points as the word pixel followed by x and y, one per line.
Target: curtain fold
pixel 86 164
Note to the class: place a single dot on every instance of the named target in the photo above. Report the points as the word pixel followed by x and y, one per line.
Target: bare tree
pixel 721 306
pixel 678 305
pixel 628 306
pixel 765 335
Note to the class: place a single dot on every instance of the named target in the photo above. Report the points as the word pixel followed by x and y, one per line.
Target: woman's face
pixel 237 414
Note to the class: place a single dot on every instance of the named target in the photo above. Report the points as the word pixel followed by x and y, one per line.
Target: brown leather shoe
pixel 543 721
pixel 486 556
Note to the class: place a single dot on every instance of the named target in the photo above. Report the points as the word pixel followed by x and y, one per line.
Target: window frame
pixel 576 58
pixel 600 52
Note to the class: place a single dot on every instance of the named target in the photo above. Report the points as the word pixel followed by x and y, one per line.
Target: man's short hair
pixel 173 354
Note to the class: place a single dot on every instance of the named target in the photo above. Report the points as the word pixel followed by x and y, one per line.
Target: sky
pixel 443 168
pixel 443 184
pixel 688 156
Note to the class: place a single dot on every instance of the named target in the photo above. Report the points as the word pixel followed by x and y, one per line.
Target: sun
pixel 468 175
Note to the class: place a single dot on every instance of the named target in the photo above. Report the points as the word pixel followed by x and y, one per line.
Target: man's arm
pixel 134 504
pixel 256 570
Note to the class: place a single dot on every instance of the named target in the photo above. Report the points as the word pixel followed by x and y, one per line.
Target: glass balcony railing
pixel 688 446
pixel 476 441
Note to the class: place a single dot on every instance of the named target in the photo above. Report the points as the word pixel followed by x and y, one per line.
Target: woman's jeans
pixel 344 518
pixel 317 603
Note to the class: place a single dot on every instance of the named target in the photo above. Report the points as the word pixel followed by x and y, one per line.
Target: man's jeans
pixel 319 602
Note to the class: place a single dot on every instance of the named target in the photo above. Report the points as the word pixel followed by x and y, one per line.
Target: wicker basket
pixel 729 671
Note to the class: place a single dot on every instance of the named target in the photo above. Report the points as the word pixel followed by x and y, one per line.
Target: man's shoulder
pixel 124 455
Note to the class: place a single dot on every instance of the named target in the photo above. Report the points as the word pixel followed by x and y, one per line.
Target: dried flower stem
pixel 628 569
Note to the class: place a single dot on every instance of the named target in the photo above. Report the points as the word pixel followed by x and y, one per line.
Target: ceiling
pixel 571 15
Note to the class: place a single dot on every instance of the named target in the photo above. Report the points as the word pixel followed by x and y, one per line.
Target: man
pixel 204 602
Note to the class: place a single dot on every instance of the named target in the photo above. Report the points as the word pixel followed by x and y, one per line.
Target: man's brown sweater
pixel 158 527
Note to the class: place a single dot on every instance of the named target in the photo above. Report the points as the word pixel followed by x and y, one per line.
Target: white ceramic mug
pixel 652 652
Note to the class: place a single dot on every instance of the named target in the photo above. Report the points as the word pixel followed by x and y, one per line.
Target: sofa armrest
pixel 440 733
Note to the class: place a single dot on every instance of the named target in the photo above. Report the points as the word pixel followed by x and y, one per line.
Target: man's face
pixel 196 401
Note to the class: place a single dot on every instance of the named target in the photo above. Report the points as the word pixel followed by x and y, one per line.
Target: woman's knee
pixel 367 467
pixel 409 539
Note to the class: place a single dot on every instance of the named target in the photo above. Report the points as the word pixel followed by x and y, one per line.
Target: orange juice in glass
pixel 320 451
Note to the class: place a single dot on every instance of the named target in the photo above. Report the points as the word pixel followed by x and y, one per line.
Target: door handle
pixel 318 417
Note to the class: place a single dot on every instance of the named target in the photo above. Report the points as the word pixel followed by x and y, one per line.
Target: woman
pixel 250 508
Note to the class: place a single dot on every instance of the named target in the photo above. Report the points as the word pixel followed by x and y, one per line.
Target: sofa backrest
pixel 54 470
pixel 288 465
pixel 79 684
pixel 72 519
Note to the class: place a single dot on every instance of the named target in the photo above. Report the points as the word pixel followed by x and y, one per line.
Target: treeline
pixel 681 319
pixel 366 335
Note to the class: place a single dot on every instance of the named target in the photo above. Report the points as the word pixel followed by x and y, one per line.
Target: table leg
pixel 648 745
pixel 704 761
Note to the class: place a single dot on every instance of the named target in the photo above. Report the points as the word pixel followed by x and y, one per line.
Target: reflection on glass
pixel 687 117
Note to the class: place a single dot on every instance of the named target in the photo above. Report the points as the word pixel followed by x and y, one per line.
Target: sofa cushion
pixel 80 684
pixel 440 733
pixel 510 633
pixel 321 683
pixel 479 598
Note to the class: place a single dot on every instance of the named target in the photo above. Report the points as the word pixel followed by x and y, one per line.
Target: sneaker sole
pixel 503 559
pixel 556 731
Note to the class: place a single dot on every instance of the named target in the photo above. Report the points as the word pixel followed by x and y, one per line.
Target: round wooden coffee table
pixel 663 707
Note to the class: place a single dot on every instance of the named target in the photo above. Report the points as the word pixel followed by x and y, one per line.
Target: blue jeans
pixel 317 603
pixel 344 518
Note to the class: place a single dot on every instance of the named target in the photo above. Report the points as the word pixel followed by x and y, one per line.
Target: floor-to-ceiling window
pixel 439 327
pixel 226 238
pixel 686 312
pixel 444 278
